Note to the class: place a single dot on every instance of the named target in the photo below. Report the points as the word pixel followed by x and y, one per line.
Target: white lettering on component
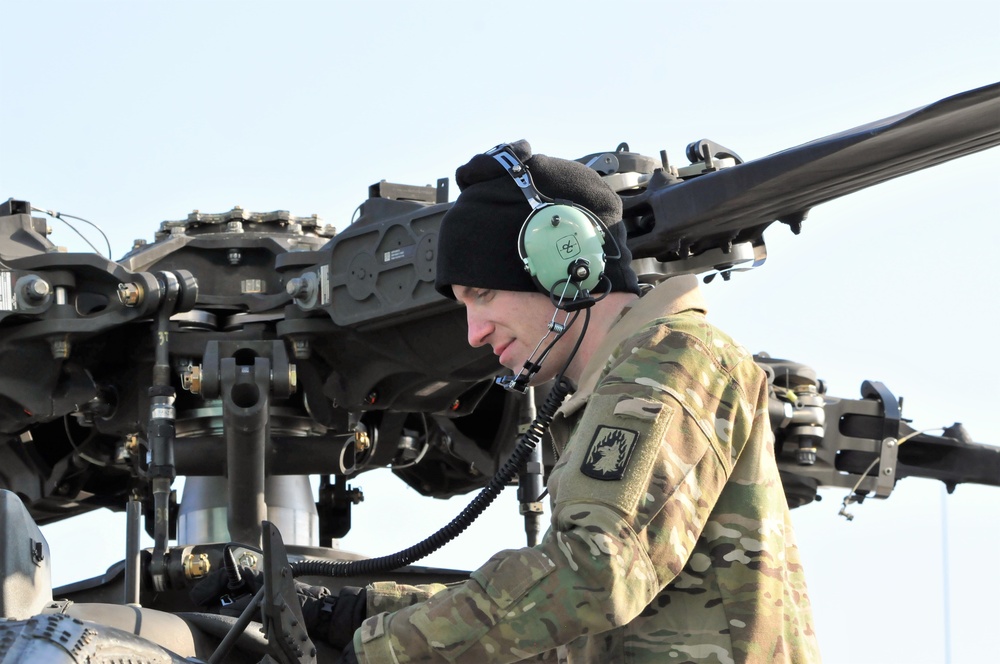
pixel 7 300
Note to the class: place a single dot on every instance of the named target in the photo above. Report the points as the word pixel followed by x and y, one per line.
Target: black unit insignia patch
pixel 609 452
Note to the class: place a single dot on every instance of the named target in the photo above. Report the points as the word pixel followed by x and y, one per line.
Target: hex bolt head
pixel 36 289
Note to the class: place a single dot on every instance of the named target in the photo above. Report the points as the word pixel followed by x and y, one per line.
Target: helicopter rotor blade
pixel 736 203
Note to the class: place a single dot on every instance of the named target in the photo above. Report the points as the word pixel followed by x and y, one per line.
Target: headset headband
pixel 510 162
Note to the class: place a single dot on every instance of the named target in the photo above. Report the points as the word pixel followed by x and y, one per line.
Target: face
pixel 513 323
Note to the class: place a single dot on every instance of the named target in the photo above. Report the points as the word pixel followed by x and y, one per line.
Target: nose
pixel 479 328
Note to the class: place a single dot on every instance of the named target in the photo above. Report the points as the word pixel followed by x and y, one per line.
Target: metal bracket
pixel 889 449
pixel 284 625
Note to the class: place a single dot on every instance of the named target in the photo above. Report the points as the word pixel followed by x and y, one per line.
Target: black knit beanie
pixel 478 238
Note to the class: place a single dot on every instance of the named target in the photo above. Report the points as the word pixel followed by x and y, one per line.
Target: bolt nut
pixel 60 349
pixel 247 559
pixel 129 295
pixel 235 256
pixel 301 350
pixel 361 441
pixel 252 286
pixel 191 379
pixel 196 566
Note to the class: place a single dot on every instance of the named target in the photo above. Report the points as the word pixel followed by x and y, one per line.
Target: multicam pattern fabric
pixel 688 557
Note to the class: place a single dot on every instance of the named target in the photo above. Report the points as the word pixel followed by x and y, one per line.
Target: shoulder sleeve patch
pixel 609 452
pixel 611 455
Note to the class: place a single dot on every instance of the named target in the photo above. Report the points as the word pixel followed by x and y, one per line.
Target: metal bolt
pixel 297 287
pixel 361 441
pixel 555 220
pixel 247 559
pixel 301 350
pixel 235 256
pixel 36 289
pixel 806 456
pixel 191 379
pixel 129 295
pixel 60 349
pixel 887 471
pixel 235 226
pixel 251 286
pixel 890 442
pixel 138 243
pixel 195 567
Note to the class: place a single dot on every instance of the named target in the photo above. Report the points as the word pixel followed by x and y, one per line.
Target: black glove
pixel 329 617
pixel 347 655
pixel 217 594
pixel 335 617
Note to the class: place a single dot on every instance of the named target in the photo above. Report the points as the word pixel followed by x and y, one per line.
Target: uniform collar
pixel 672 296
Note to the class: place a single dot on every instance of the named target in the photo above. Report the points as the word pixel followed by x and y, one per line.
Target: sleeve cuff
pixel 371 641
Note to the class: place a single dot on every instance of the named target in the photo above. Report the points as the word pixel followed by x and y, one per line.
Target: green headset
pixel 561 243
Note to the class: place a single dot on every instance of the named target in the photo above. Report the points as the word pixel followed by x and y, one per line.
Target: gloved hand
pixel 347 655
pixel 330 617
pixel 216 594
pixel 335 617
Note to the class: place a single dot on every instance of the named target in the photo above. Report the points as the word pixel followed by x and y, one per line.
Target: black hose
pixel 527 442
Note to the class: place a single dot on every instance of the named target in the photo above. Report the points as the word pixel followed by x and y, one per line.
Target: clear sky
pixel 131 113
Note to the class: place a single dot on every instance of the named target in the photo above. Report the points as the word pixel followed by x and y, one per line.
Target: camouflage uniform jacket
pixel 670 538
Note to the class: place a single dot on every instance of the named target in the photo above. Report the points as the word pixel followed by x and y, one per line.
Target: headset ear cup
pixel 556 237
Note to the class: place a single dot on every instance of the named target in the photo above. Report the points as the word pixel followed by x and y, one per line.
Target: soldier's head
pixel 484 239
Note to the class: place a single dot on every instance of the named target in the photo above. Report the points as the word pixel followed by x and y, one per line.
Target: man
pixel 670 538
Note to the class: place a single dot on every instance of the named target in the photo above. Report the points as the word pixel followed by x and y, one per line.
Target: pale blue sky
pixel 131 113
